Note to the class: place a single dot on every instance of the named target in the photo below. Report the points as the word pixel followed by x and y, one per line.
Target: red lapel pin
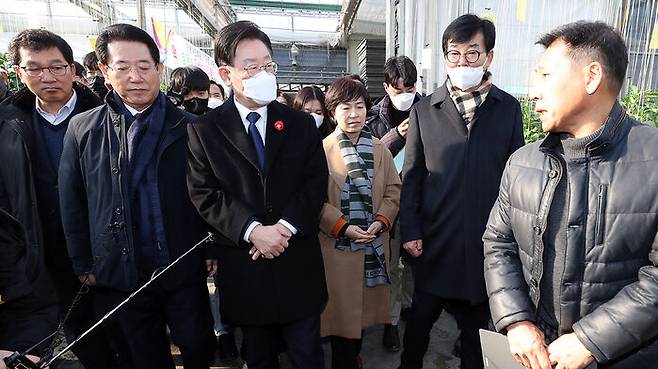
pixel 278 125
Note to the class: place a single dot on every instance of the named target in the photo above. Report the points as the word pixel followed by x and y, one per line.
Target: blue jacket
pixel 95 204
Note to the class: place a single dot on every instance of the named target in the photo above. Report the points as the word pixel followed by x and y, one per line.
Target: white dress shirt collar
pixel 260 124
pixel 63 112
pixel 134 111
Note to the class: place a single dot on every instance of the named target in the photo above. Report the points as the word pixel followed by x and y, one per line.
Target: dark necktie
pixel 135 132
pixel 256 138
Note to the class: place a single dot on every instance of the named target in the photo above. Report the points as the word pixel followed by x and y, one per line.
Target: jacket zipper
pixel 599 229
pixel 537 271
pixel 122 154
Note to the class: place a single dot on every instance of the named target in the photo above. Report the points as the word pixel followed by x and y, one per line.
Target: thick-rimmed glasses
pixel 125 69
pixel 471 56
pixel 254 69
pixel 56 70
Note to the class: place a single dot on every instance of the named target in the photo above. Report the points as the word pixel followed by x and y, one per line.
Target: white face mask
pixel 214 102
pixel 403 102
pixel 465 77
pixel 261 88
pixel 319 118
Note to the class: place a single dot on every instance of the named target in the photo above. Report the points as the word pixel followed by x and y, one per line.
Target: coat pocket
pixel 599 227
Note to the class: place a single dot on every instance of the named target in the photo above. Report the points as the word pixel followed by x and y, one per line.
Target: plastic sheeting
pixel 519 23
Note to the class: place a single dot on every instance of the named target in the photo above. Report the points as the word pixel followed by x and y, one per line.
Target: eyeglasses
pixel 254 69
pixel 471 56
pixel 141 69
pixel 55 70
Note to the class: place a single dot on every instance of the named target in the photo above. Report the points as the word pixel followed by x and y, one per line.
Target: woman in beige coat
pixel 362 201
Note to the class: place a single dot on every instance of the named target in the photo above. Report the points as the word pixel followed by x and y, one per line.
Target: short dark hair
pixel 90 62
pixel 598 42
pixel 230 36
pixel 400 67
pixel 310 93
pixel 124 32
pixel 344 90
pixel 465 27
pixel 186 79
pixel 79 69
pixel 38 39
pixel 221 89
pixel 357 78
pixel 285 96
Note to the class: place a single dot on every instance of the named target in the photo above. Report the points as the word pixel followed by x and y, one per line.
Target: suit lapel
pixel 274 138
pixel 174 127
pixel 230 124
pixel 31 137
pixel 486 105
pixel 455 119
pixel 441 99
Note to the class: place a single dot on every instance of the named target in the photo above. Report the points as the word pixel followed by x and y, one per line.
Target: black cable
pixel 18 360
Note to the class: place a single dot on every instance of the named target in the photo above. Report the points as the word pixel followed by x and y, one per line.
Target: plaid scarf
pixel 468 102
pixel 356 204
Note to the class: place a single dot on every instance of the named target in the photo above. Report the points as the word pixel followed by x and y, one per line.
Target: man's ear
pixel 593 77
pixel 487 63
pixel 103 68
pixel 224 75
pixel 160 68
pixel 19 73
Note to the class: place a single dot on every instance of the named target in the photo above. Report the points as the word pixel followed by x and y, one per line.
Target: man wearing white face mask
pixel 217 95
pixel 389 121
pixel 459 140
pixel 258 175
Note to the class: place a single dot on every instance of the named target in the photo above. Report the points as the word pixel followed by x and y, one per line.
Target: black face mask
pixel 196 105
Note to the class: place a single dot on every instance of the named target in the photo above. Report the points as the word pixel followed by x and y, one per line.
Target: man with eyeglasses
pixel 126 212
pixel 32 127
pixel 458 142
pixel 258 175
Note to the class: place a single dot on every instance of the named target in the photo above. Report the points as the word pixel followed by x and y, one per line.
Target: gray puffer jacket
pixel 609 289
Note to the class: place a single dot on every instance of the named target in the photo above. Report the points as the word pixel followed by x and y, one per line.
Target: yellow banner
pixel 160 33
pixel 521 9
pixel 92 41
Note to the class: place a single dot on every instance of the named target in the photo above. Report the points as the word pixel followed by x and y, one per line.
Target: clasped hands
pixel 271 241
pixel 358 235
pixel 526 343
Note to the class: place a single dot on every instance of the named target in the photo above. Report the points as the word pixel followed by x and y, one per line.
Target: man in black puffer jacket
pixel 571 246
pixel 33 122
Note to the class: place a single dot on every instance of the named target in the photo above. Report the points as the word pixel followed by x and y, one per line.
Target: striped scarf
pixel 356 204
pixel 468 102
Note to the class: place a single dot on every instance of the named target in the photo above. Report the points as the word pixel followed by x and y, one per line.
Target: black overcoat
pixel 230 191
pixel 450 181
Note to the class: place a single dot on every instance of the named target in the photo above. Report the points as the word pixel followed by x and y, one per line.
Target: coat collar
pixel 232 127
pixel 439 98
pixel 174 121
pixel 25 101
pixel 610 135
pixel 17 111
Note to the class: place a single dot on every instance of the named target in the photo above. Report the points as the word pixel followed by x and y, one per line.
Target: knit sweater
pixel 555 237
